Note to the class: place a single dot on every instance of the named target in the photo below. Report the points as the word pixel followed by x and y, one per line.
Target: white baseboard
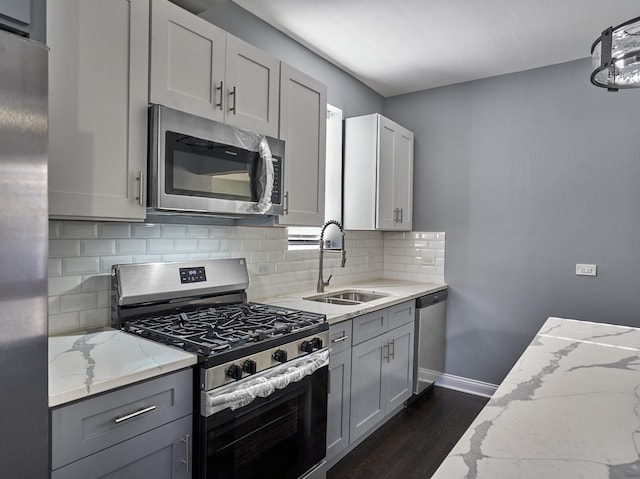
pixel 466 385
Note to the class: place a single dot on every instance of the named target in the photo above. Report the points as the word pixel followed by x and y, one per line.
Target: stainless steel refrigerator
pixel 24 416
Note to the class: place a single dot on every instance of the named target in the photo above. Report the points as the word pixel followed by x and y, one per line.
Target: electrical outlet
pixel 429 260
pixel 265 268
pixel 586 269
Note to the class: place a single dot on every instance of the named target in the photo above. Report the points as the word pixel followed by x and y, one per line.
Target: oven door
pixel 199 165
pixel 280 435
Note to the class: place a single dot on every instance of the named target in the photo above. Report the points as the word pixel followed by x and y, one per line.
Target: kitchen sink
pixel 346 297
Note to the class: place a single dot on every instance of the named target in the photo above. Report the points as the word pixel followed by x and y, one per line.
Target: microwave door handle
pixel 267 173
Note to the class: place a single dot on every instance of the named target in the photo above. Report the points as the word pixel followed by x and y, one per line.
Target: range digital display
pixel 192 275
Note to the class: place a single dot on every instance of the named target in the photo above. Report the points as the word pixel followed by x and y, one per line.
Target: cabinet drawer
pixel 163 453
pixel 340 337
pixel 370 325
pixel 89 426
pixel 402 313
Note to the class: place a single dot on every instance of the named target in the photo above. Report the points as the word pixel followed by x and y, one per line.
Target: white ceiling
pixel 401 46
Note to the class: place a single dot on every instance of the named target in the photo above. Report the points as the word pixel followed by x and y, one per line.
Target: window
pixel 306 237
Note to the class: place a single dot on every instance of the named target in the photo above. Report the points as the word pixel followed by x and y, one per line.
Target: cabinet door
pixel 252 88
pixel 303 127
pixel 403 178
pixel 367 389
pixel 187 61
pixel 162 453
pixel 399 370
pixel 386 209
pixel 98 96
pixel 338 403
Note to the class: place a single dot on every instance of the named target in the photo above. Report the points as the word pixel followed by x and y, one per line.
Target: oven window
pixel 283 435
pixel 196 167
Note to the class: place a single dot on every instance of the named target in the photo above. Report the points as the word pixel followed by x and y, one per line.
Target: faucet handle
pixel 326 283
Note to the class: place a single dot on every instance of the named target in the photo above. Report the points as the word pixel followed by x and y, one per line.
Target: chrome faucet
pixel 321 282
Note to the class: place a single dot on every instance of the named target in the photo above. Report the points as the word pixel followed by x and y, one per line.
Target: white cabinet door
pixel 399 369
pixel 386 210
pixel 367 386
pixel 303 127
pixel 403 178
pixel 98 91
pixel 338 403
pixel 252 88
pixel 378 152
pixel 187 61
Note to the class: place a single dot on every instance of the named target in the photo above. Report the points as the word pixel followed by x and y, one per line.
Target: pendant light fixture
pixel 616 57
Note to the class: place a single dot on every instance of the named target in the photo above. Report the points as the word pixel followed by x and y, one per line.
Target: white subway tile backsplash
pixel 65 285
pixel 114 230
pixel 74 266
pixel 55 267
pixel 78 302
pixel 146 231
pixel 97 247
pixel 78 229
pixel 80 265
pixel 185 245
pixel 173 231
pixel 160 246
pixel 64 248
pixel 131 246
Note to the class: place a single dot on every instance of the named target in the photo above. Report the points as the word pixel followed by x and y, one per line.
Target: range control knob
pixel 234 371
pixel 249 366
pixel 317 343
pixel 306 346
pixel 280 355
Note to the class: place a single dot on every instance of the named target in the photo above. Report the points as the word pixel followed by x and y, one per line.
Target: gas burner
pixel 209 331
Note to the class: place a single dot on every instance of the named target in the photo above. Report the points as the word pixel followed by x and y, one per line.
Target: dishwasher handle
pixel 430 299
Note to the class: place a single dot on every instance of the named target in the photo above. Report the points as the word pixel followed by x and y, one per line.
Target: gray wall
pixel 343 91
pixel 528 174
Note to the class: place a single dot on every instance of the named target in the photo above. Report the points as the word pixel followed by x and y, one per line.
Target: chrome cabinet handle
pixel 235 99
pixel 396 215
pixel 340 339
pixel 145 410
pixel 140 180
pixel 285 210
pixel 392 349
pixel 219 105
pixel 385 352
pixel 187 450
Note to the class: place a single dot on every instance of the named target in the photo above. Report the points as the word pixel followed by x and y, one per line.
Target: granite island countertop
pixel 569 408
pixel 85 363
pixel 395 292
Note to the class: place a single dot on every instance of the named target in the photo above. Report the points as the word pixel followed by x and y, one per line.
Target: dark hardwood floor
pixel 414 442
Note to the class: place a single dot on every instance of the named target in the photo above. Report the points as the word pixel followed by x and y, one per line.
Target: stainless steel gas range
pixel 261 381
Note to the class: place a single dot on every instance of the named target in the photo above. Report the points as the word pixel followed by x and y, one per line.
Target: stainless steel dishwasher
pixel 428 363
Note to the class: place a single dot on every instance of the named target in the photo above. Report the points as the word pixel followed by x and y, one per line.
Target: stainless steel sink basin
pixel 346 297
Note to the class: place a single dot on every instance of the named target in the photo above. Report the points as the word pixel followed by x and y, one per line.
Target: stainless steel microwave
pixel 198 165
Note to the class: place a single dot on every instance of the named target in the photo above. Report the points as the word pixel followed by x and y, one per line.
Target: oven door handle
pixel 243 392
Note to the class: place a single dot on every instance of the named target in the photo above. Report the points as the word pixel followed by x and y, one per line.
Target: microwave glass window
pixel 205 168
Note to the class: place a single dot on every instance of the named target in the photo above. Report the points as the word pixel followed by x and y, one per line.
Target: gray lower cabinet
pixel 340 337
pixel 142 430
pixel 371 374
pixel 162 453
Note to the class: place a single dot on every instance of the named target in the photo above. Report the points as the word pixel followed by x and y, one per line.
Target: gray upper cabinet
pixel 378 174
pixel 24 17
pixel 303 126
pixel 198 68
pixel 98 97
pixel 187 62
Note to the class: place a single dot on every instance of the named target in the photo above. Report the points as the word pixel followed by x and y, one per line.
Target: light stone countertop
pixel 397 292
pixel 569 408
pixel 86 363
